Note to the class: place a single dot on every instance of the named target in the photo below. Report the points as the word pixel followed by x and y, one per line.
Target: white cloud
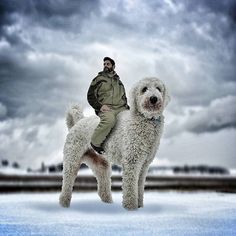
pixel 220 114
pixel 207 148
pixel 31 143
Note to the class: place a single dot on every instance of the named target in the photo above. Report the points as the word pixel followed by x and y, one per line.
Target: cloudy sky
pixel 51 50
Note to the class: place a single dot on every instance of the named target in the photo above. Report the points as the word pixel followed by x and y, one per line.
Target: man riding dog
pixel 107 96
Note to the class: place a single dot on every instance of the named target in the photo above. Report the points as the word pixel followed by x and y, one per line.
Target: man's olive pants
pixel 107 122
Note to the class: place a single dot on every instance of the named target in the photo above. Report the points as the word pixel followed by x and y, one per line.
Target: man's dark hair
pixel 109 59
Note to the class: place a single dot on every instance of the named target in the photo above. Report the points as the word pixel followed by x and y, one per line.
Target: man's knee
pixel 108 118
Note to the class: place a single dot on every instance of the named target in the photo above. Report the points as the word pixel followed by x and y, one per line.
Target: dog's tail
pixel 74 114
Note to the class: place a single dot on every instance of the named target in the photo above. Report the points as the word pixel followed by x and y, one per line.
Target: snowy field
pixel 164 213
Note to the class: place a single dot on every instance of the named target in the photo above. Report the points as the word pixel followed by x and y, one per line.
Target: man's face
pixel 107 66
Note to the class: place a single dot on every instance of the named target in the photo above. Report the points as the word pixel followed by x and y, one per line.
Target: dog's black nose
pixel 153 99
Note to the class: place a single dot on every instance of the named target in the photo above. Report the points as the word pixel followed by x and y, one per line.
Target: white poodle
pixel 132 144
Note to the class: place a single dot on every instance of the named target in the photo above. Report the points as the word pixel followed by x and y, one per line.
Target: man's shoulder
pixel 100 78
pixel 104 76
pixel 99 75
pixel 116 76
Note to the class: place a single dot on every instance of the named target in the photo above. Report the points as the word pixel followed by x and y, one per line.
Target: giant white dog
pixel 132 144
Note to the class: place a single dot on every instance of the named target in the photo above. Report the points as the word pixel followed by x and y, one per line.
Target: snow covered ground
pixel 164 213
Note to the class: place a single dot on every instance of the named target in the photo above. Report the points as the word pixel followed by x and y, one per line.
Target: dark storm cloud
pixel 226 7
pixel 119 21
pixel 23 81
pixel 203 28
pixel 3 111
pixel 49 13
pixel 8 18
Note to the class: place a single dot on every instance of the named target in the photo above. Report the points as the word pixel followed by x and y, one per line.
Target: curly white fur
pixel 132 144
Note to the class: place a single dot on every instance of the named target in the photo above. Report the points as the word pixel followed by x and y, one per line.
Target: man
pixel 107 96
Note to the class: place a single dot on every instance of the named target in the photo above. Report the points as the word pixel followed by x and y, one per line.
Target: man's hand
pixel 105 108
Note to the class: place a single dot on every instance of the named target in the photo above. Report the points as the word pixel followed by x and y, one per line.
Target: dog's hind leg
pixel 71 166
pixel 102 171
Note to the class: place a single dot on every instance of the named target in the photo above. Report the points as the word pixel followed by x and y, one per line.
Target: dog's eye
pixel 158 89
pixel 144 89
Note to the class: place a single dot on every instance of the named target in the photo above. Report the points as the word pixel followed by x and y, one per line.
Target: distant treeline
pixel 186 169
pixel 6 163
pixel 201 169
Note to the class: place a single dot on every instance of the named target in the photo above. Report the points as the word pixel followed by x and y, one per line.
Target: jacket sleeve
pixel 126 103
pixel 92 96
pixel 124 96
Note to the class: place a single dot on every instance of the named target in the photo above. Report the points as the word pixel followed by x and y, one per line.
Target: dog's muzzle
pixel 153 99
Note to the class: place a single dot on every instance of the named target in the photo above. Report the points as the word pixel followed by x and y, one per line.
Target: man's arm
pixel 91 95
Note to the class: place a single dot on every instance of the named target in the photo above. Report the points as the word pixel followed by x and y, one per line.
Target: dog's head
pixel 149 97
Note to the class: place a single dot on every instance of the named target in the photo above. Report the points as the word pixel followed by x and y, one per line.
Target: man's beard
pixel 106 69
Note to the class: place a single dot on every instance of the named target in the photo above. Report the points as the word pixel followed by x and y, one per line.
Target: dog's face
pixel 150 97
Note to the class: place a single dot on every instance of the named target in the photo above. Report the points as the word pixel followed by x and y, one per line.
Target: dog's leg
pixel 70 170
pixel 103 176
pixel 102 171
pixel 130 186
pixel 141 182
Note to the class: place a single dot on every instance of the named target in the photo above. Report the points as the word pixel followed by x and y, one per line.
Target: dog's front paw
pixel 130 205
pixel 140 203
pixel 106 198
pixel 64 201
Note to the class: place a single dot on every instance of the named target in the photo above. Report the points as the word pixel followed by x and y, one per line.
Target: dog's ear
pixel 166 96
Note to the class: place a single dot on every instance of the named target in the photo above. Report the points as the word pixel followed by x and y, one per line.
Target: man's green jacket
pixel 107 89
